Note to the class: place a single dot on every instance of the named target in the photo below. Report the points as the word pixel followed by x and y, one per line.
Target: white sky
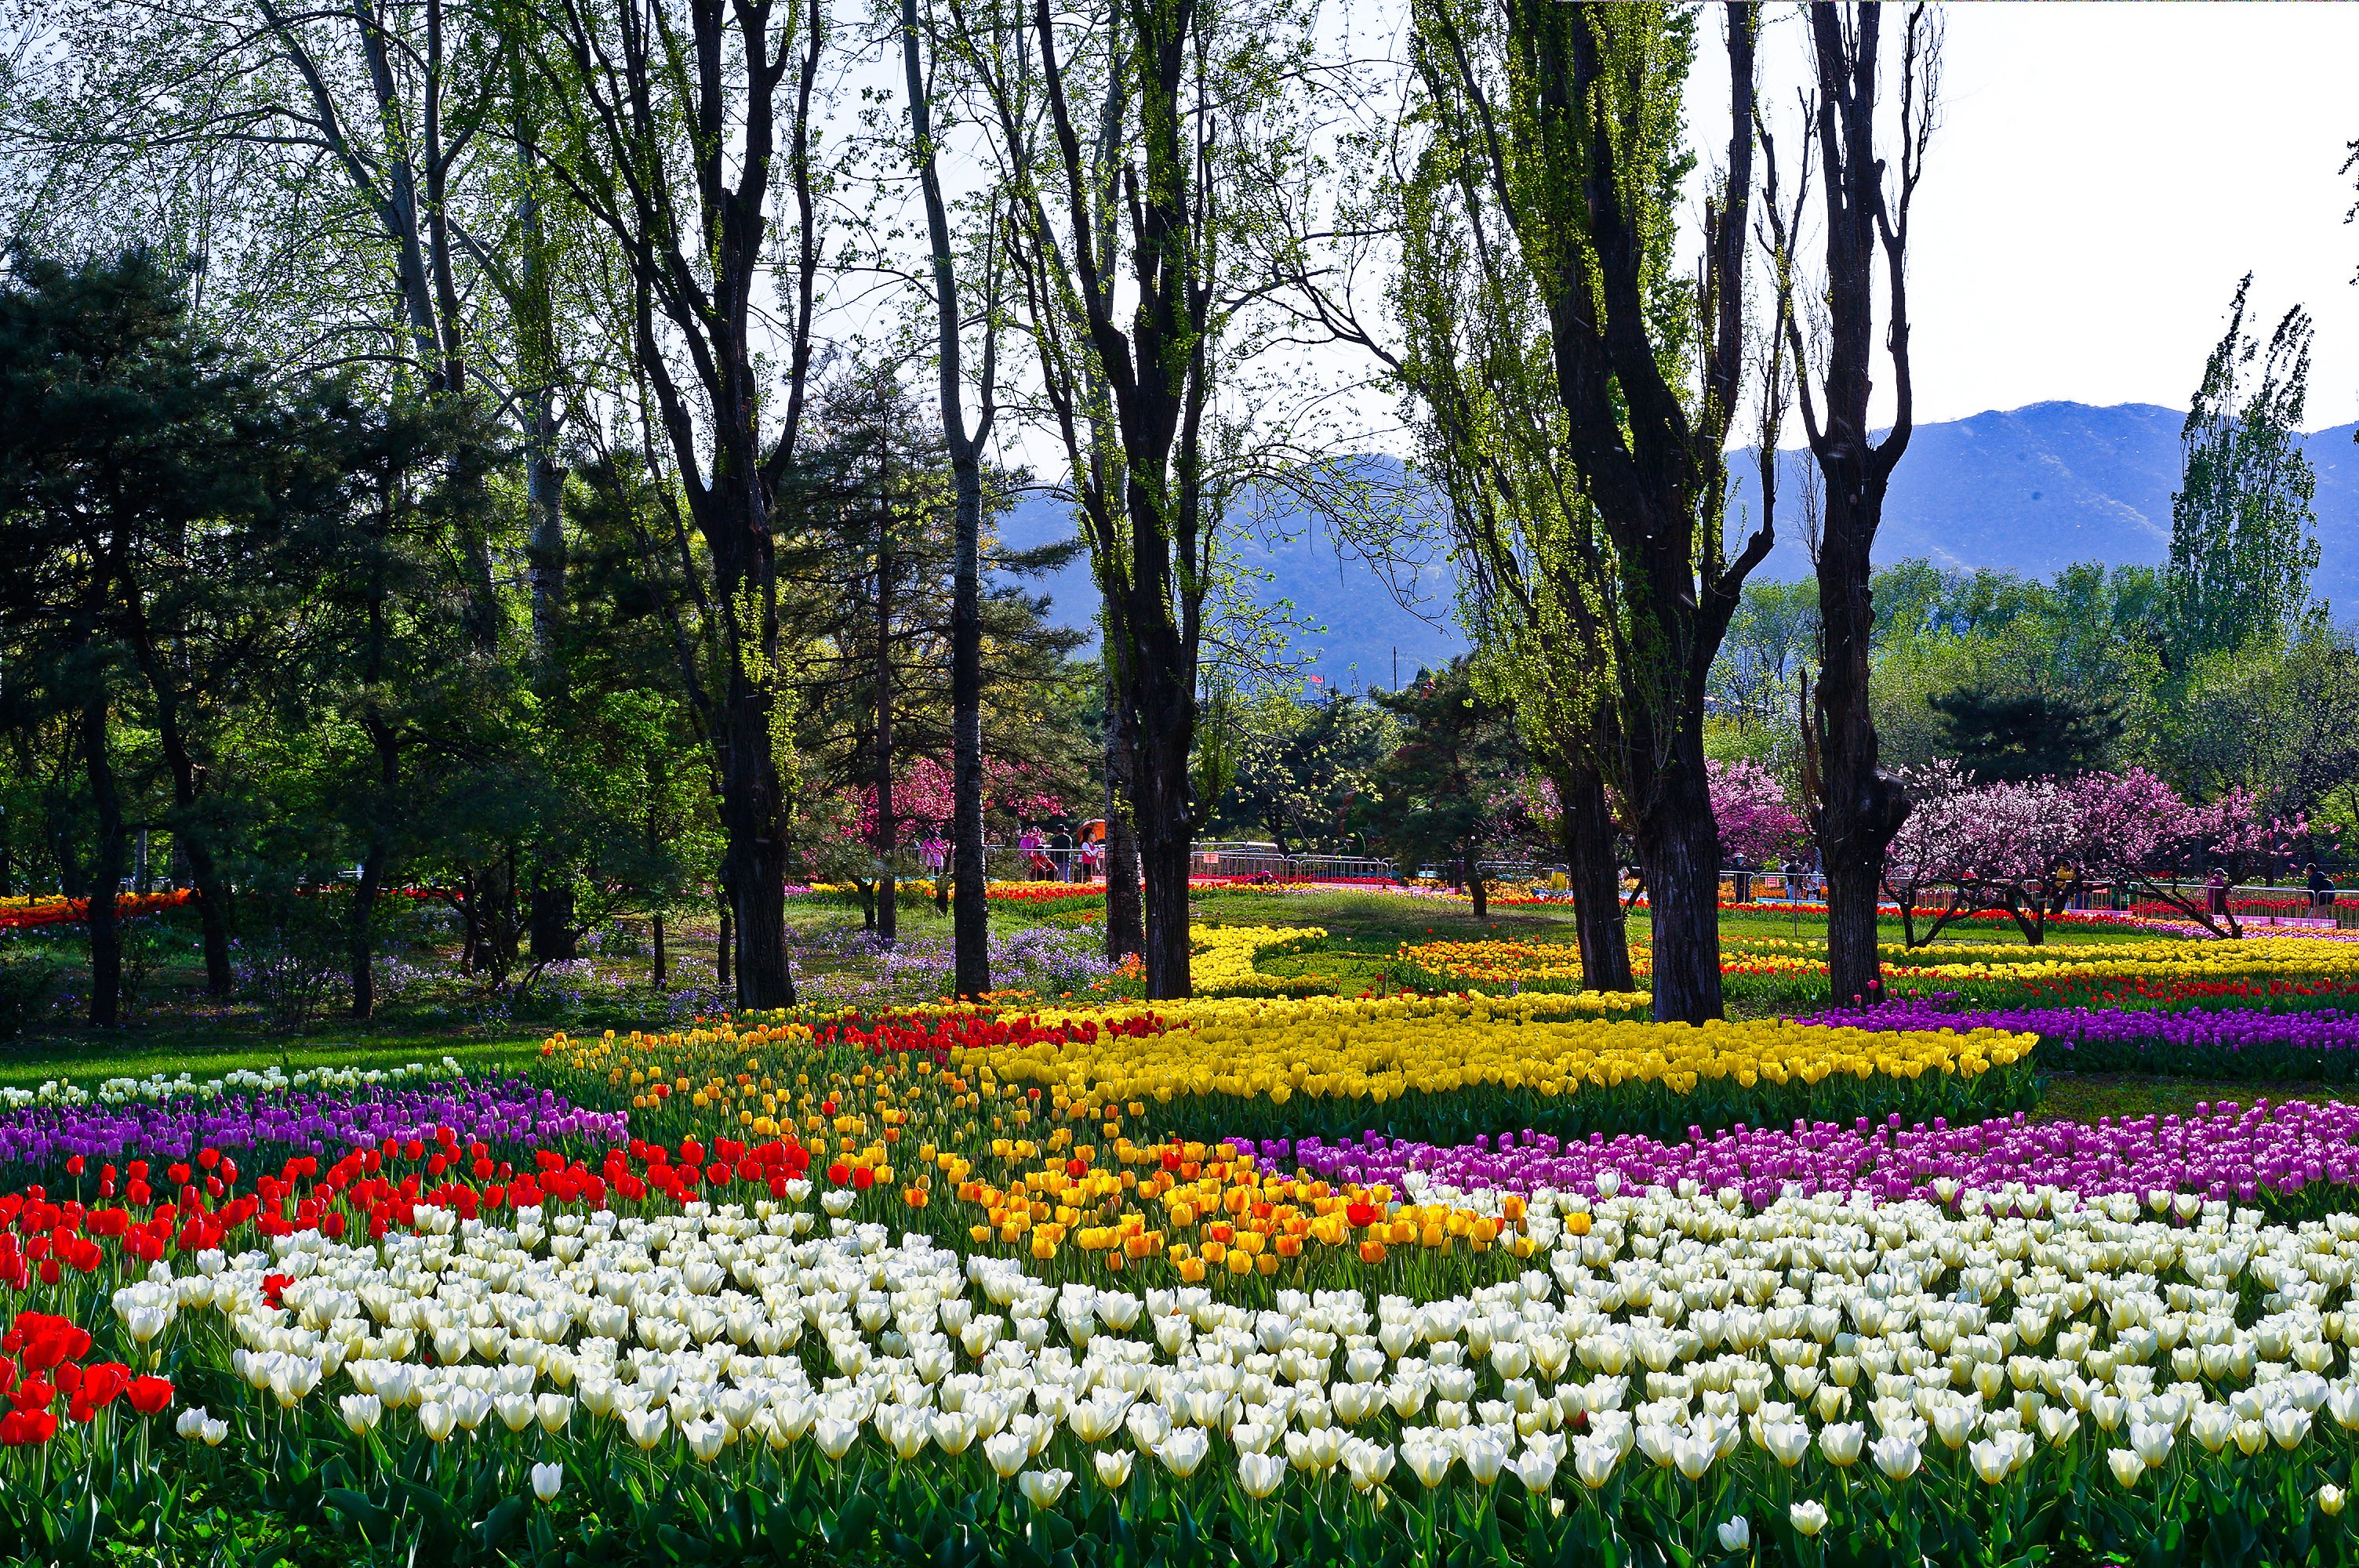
pixel 2102 177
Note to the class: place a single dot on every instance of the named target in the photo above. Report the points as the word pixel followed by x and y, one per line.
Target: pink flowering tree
pixel 1930 862
pixel 2137 830
pixel 2028 850
pixel 923 802
pixel 1755 820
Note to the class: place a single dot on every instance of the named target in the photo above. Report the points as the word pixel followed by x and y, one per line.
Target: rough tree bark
pixel 105 866
pixel 1126 921
pixel 1586 825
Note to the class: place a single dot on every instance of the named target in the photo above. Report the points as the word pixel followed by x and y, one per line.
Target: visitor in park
pixel 2218 889
pixel 1034 847
pixel 2321 892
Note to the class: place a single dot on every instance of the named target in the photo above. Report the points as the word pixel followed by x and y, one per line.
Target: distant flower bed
pixel 48 910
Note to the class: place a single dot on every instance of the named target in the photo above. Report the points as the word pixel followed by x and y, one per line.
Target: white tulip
pixel 1735 1534
pixel 1041 1488
pixel 1787 1441
pixel 437 1420
pixel 1897 1456
pixel 1429 1462
pixel 2287 1424
pixel 1259 1474
pixel 1485 1457
pixel 1007 1453
pixel 834 1435
pixel 646 1428
pixel 360 1411
pixel 704 1438
pixel 547 1480
pixel 1840 1442
pixel 1113 1468
pixel 1184 1450
pixel 1369 1464
pixel 1808 1517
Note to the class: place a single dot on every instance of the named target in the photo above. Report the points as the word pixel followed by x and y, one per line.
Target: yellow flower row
pixel 1495 963
pixel 1381 1054
pixel 1328 1014
pixel 1221 958
pixel 2284 957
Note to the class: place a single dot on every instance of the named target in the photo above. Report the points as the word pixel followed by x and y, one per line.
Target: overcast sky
pixel 2102 177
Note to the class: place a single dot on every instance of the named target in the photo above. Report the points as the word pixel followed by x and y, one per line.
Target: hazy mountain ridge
pixel 2029 490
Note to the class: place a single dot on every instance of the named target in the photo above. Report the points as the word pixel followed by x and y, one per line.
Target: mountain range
pixel 2030 490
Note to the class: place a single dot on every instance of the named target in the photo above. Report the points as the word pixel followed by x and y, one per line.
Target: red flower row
pixel 40 1362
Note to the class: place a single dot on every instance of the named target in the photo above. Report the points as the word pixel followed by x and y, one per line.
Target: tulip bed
pixel 2128 964
pixel 1243 1280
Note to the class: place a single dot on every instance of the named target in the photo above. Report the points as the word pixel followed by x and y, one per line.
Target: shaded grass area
pixel 2085 1097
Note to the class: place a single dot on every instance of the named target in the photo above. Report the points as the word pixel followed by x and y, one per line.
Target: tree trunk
pixel 212 913
pixel 1159 796
pixel 889 897
pixel 1165 907
pixel 1598 920
pixel 724 952
pixel 1850 929
pixel 553 939
pixel 971 918
pixel 1126 921
pixel 1678 849
pixel 756 878
pixel 660 970
pixel 1861 805
pixel 105 870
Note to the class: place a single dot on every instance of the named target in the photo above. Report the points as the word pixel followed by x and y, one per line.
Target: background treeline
pixel 285 639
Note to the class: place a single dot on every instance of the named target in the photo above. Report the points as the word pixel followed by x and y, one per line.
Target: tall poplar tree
pixel 2243 539
pixel 1559 129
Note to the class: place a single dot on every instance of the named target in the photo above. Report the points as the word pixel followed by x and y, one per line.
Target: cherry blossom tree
pixel 2137 830
pixel 1934 853
pixel 1757 822
pixel 2028 849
